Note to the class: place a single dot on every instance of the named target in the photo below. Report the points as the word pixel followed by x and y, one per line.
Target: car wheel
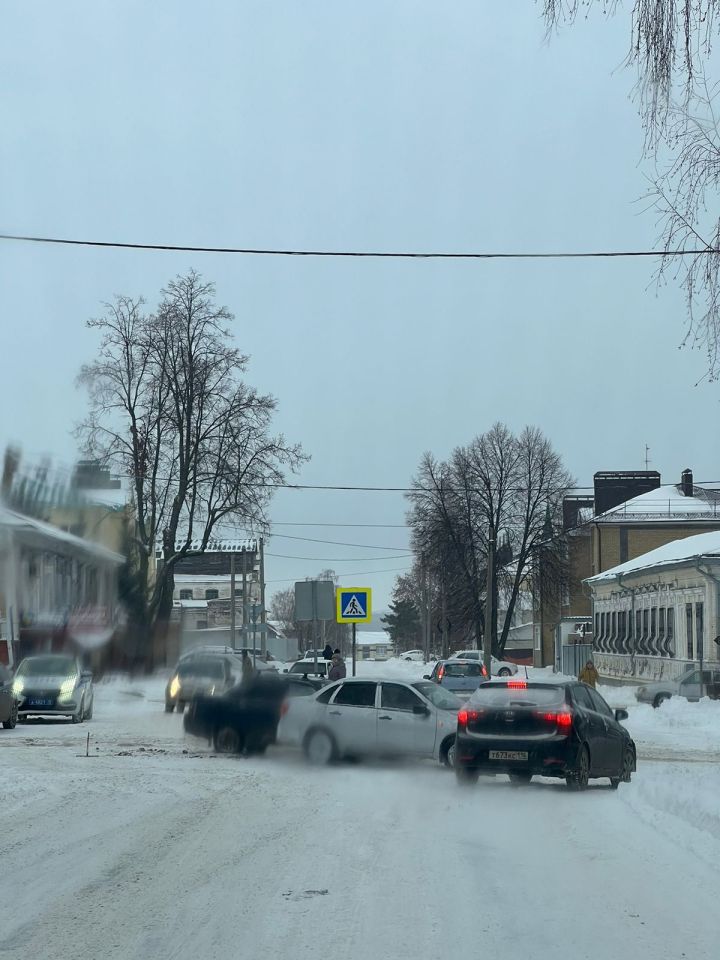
pixel 466 776
pixel 520 778
pixel 169 706
pixel 80 715
pixel 578 779
pixel 181 706
pixel 447 752
pixel 227 740
pixel 660 699
pixel 11 721
pixel 625 769
pixel 319 748
pixel 89 714
pixel 504 672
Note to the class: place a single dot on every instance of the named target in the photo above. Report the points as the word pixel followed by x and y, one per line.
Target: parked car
pixel 8 700
pixel 53 684
pixel 195 676
pixel 499 668
pixel 310 655
pixel 245 718
pixel 357 718
pixel 416 655
pixel 460 676
pixel 552 729
pixel 308 668
pixel 687 685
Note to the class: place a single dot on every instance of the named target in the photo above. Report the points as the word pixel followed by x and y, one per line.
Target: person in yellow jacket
pixel 589 674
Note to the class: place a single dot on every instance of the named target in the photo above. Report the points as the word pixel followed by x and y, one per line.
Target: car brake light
pixel 465 716
pixel 484 670
pixel 562 719
pixel 441 673
pixel 517 684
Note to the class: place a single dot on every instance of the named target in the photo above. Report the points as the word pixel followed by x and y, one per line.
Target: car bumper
pixel 57 710
pixel 549 758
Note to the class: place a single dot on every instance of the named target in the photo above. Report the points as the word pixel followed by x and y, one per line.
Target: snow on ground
pixel 155 847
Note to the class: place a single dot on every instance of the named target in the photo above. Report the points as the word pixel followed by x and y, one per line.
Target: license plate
pixel 508 755
pixel 40 703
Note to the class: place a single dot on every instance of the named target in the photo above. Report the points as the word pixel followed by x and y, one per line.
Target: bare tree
pixel 670 48
pixel 514 484
pixel 169 408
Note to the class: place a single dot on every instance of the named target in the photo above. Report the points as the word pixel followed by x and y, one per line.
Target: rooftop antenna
pixel 647 458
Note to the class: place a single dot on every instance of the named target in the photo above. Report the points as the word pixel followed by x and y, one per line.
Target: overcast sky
pixel 390 126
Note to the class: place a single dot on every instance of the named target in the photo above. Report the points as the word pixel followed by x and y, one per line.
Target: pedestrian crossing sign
pixel 353 604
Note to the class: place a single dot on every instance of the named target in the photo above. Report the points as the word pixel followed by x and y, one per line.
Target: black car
pixel 244 719
pixel 552 729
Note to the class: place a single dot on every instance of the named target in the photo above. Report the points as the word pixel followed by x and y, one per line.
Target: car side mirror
pixel 420 710
pixel 426 676
pixel 621 715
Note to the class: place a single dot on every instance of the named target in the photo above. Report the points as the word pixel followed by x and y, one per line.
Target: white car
pixel 309 668
pixel 357 717
pixel 416 655
pixel 500 668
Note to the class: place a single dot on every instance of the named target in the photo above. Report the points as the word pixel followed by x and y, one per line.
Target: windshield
pixel 47 667
pixel 212 669
pixel 501 695
pixel 310 667
pixel 438 696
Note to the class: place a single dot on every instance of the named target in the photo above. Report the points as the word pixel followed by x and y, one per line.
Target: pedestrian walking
pixel 589 674
pixel 337 669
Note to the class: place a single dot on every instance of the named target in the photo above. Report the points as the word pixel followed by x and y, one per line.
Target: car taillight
pixel 562 718
pixel 484 670
pixel 517 684
pixel 467 716
pixel 441 673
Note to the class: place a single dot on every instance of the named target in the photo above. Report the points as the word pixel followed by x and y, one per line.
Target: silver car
pixel 54 685
pixel 688 685
pixel 358 718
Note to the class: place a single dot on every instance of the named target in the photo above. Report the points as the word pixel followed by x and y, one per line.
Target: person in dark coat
pixel 248 670
pixel 328 652
pixel 337 669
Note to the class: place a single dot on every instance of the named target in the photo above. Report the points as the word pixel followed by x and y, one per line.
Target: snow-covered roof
pixel 192 604
pixel 372 638
pixel 688 549
pixel 29 527
pixel 666 503
pixel 117 498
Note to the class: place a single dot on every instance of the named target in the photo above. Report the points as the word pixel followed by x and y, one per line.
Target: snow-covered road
pixel 155 848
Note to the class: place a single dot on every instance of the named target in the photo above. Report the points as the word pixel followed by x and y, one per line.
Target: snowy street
pixel 154 847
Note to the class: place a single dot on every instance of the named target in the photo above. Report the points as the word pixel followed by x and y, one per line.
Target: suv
pixel 688 685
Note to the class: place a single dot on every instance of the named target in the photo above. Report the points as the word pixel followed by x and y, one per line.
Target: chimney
pixel 686 483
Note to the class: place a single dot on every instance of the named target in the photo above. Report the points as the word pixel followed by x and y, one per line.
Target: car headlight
pixel 17 687
pixel 174 687
pixel 67 689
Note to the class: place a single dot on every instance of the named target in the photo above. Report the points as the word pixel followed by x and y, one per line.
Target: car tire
pixel 320 748
pixel 466 776
pixel 660 699
pixel 80 715
pixel 12 720
pixel 169 706
pixel 579 777
pixel 625 770
pixel 181 706
pixel 227 740
pixel 89 714
pixel 520 778
pixel 504 672
pixel 447 753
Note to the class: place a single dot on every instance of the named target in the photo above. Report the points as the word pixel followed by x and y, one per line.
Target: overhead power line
pixel 284 556
pixel 362 254
pixel 356 573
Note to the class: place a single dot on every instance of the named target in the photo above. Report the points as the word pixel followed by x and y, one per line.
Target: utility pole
pixel 426 609
pixel 443 619
pixel 314 625
pixel 232 600
pixel 263 615
pixel 489 598
pixel 244 596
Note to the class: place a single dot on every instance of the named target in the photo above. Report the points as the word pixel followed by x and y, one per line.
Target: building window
pixel 699 618
pixel 662 648
pixel 671 631
pixel 613 631
pixel 211 594
pixel 645 631
pixel 186 594
pixel 653 630
pixel 201 625
pixel 597 627
pixel 689 630
pixel 638 627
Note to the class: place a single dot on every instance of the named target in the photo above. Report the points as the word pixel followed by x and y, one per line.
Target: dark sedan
pixel 551 729
pixel 244 719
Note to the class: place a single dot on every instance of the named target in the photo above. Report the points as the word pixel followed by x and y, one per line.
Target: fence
pixel 574 656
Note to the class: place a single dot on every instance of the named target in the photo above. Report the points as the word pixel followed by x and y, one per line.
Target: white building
pixel 373 645
pixel 658 613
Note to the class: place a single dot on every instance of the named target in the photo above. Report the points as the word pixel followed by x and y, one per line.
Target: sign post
pixel 353 605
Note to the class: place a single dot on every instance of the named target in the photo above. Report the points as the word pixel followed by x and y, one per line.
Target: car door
pixel 6 695
pixel 613 737
pixel 690 685
pixel 590 725
pixel 406 723
pixel 352 717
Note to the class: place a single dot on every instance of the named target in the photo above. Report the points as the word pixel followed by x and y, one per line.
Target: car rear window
pixel 462 670
pixel 498 694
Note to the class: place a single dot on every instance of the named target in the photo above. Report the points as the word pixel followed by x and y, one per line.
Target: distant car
pixel 460 676
pixel 357 718
pixel 220 651
pixel 309 668
pixel 687 685
pixel 418 656
pixel 552 729
pixel 195 676
pixel 53 684
pixel 500 668
pixel 310 655
pixel 8 700
pixel 245 718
